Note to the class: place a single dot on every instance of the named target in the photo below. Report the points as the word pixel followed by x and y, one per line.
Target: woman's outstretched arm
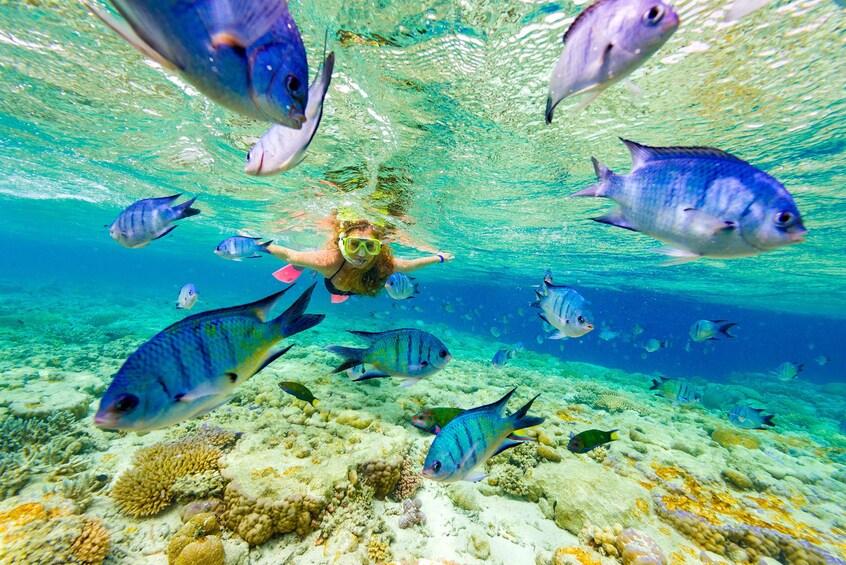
pixel 317 260
pixel 409 265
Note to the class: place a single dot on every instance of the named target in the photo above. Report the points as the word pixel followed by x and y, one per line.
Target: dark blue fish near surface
pixel 473 437
pixel 240 247
pixel 149 219
pixel 245 54
pixel 701 201
pixel 196 364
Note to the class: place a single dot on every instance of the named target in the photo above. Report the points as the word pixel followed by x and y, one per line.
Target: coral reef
pixel 382 475
pixel 379 549
pixel 52 535
pixel 729 438
pixel 617 403
pixel 410 480
pixel 195 543
pixel 411 513
pixel 573 556
pixel 81 489
pixel 603 540
pixel 638 548
pixel 199 507
pixel 148 486
pixel 256 520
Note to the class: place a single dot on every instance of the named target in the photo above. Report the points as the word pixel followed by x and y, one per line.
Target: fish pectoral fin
pixel 239 24
pixel 679 256
pixel 616 218
pixel 475 477
pixel 124 30
pixel 706 224
pixel 410 382
pixel 372 375
pixel 588 98
pixel 557 335
pixel 223 385
pixel 166 231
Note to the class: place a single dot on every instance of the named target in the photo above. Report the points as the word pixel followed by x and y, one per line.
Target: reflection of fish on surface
pixel 247 56
pixel 473 437
pixel 196 364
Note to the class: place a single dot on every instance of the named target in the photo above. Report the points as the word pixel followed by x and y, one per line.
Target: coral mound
pixel 637 548
pixel 195 542
pixel 382 475
pixel 148 486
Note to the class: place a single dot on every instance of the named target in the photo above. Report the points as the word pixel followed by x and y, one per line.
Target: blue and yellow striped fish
pixel 195 365
pixel 473 437
pixel 406 353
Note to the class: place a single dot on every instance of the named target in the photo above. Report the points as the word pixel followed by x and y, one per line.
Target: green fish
pixel 590 439
pixel 196 364
pixel 433 420
pixel 299 391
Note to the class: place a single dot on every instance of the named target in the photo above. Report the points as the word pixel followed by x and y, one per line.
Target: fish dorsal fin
pixel 497 407
pixel 577 22
pixel 373 336
pixel 261 308
pixel 641 154
pixel 238 23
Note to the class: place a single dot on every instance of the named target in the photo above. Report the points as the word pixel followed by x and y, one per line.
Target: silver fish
pixel 702 201
pixel 652 345
pixel 187 297
pixel 704 330
pixel 606 42
pixel 400 286
pixel 240 247
pixel 149 219
pixel 750 418
pixel 196 364
pixel 563 308
pixel 281 148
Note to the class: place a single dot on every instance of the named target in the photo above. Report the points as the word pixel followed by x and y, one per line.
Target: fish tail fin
pixel 600 189
pixel 263 247
pixel 614 435
pixel 726 329
pixel 315 402
pixel 520 420
pixel 294 320
pixel 184 210
pixel 352 356
pixel 656 383
pixel 768 420
pixel 416 288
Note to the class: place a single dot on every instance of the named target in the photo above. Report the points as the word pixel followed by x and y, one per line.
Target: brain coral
pixel 148 486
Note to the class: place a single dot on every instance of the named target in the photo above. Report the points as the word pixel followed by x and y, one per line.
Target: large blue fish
pixel 701 201
pixel 407 353
pixel 245 54
pixel 146 220
pixel 473 437
pixel 195 365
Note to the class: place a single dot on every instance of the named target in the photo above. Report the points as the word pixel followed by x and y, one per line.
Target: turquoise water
pixel 433 125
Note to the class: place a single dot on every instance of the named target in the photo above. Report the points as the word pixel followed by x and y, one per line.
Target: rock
pixel 737 479
pixel 548 453
pixel 38 401
pixel 479 546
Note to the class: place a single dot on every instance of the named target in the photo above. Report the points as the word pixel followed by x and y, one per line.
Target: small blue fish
pixel 750 418
pixel 704 330
pixel 473 437
pixel 240 247
pixel 563 308
pixel 281 148
pixel 605 43
pixel 400 286
pixel 187 297
pixel 502 356
pixel 701 201
pixel 407 353
pixel 196 364
pixel 149 219
pixel 652 345
pixel 245 55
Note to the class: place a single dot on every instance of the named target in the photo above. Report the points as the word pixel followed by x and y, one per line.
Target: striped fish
pixel 195 365
pixel 473 437
pixel 563 308
pixel 672 389
pixel 240 247
pixel 400 286
pixel 146 220
pixel 750 418
pixel 407 353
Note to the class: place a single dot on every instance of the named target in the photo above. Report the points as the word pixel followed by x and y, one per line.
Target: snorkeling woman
pixel 357 260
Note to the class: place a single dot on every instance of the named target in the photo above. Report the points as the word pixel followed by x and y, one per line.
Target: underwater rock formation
pixel 382 475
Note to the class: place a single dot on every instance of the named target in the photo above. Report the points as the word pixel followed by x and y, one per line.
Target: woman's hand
pixel 447 256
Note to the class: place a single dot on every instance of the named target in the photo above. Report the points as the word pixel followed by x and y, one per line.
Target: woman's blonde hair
pixel 367 281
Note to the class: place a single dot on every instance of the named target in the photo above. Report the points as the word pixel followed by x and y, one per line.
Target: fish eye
pixel 654 15
pixel 125 403
pixel 249 156
pixel 443 354
pixel 293 84
pixel 436 466
pixel 785 219
pixel 581 319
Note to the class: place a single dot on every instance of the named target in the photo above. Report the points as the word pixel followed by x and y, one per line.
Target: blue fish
pixel 240 247
pixel 473 437
pixel 244 54
pixel 701 201
pixel 407 353
pixel 196 364
pixel 563 308
pixel 149 219
pixel 400 286
pixel 502 356
pixel 750 418
pixel 187 297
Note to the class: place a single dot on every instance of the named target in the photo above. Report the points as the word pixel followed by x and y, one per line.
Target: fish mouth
pixel 106 420
pixel 296 117
pixel 253 168
pixel 797 236
pixel 427 473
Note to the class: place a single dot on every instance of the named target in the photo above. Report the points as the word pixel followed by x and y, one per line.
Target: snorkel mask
pixel 358 250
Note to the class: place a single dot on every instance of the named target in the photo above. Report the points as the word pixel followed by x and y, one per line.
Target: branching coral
pixel 148 486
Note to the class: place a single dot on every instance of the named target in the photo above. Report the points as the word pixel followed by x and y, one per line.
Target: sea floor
pixel 285 482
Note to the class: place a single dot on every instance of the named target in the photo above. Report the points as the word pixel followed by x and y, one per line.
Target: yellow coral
pixel 728 438
pixel 568 555
pixel 91 546
pixel 204 551
pixel 194 543
pixel 145 489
